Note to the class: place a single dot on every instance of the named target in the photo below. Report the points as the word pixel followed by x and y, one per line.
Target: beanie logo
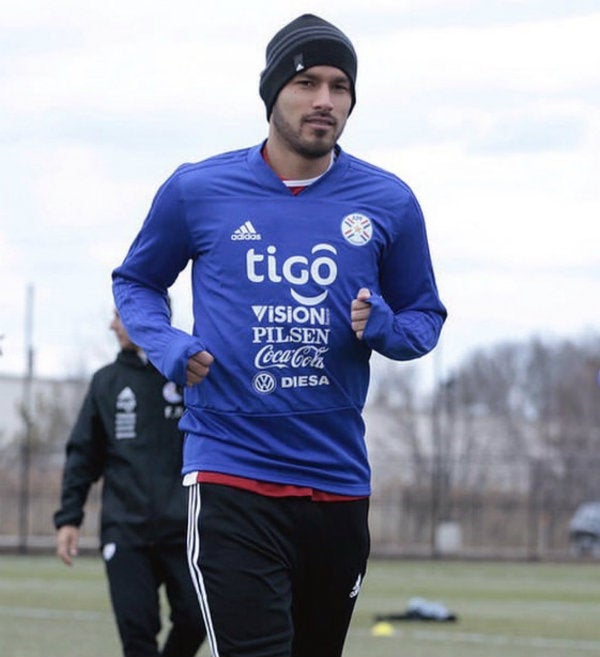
pixel 298 62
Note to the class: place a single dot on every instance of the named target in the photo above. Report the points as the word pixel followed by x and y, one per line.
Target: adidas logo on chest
pixel 246 232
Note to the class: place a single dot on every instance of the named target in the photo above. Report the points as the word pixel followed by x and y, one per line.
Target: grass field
pixel 504 610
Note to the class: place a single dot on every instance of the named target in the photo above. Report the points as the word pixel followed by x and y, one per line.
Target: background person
pixel 305 259
pixel 127 433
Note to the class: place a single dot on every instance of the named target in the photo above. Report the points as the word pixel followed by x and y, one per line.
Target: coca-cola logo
pixel 304 356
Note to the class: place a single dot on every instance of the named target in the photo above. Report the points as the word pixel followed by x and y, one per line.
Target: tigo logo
pixel 246 232
pixel 298 270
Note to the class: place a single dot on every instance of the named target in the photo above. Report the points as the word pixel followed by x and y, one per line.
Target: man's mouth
pixel 320 121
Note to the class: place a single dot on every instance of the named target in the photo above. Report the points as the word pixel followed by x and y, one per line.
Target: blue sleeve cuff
pixel 404 335
pixel 176 356
pixel 380 323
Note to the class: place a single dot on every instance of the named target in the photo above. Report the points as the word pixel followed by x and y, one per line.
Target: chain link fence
pixel 423 519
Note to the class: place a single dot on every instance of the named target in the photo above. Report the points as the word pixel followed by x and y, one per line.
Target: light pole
pixel 27 410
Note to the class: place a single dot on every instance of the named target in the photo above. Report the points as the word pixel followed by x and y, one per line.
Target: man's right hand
pixel 198 367
pixel 67 542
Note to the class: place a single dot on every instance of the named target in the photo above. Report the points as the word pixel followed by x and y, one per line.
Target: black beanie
pixel 306 41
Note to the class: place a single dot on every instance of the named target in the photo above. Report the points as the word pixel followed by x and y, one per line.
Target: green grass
pixel 504 610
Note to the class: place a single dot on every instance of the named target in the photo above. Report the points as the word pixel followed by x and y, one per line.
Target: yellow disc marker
pixel 382 629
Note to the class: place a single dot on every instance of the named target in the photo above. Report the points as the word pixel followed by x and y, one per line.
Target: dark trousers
pixel 276 577
pixel 135 576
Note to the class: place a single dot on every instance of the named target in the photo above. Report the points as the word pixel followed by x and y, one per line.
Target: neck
pixel 290 165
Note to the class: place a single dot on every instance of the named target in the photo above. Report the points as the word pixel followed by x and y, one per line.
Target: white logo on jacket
pixel 108 551
pixel 297 270
pixel 264 383
pixel 245 232
pixel 171 394
pixel 357 229
pixel 125 416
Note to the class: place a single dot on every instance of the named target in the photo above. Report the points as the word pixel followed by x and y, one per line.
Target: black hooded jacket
pixel 127 433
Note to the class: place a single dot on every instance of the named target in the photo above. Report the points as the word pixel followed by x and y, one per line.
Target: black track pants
pixel 276 577
pixel 135 576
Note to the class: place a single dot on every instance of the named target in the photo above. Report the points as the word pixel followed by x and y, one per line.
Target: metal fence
pixel 405 520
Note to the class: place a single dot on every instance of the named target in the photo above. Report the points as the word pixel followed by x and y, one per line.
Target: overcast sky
pixel 489 110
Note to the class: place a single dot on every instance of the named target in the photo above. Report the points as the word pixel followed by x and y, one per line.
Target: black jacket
pixel 127 433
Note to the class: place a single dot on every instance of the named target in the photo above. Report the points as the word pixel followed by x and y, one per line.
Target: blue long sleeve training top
pixel 273 277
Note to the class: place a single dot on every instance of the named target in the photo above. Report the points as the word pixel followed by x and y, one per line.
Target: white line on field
pixel 42 613
pixel 498 639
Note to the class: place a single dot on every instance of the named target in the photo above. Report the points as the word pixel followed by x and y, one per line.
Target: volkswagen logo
pixel 264 383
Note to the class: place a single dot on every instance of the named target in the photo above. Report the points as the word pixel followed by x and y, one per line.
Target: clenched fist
pixel 198 367
pixel 360 311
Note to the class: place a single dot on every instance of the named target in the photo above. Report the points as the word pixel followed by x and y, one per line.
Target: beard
pixel 313 147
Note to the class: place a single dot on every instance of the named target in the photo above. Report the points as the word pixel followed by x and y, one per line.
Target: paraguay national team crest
pixel 357 229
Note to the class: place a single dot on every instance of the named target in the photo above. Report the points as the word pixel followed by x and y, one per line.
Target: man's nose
pixel 323 97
